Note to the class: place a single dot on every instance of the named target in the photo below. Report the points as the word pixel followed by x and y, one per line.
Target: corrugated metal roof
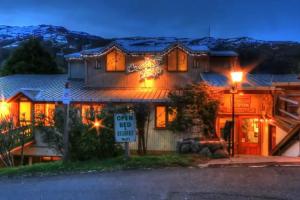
pixel 141 46
pixel 50 88
pixel 251 80
pixel 223 53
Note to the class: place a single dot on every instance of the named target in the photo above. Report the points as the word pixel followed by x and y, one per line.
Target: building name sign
pixel 125 127
pixel 150 68
pixel 243 105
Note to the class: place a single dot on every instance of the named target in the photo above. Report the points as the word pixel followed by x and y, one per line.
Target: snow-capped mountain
pixel 210 42
pixel 12 36
pixel 271 56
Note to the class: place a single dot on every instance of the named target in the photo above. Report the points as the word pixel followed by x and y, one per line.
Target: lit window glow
pixel 236 77
pixel 4 109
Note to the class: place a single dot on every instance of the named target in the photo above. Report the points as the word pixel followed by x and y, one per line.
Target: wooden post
pixel 30 160
pixel 232 143
pixel 127 151
pixel 299 144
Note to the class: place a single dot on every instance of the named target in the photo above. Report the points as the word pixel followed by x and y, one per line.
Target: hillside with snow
pixel 268 56
pixel 12 36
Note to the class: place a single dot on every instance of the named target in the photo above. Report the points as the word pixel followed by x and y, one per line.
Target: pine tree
pixel 30 58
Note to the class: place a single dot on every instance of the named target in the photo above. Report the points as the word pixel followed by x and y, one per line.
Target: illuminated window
pixel 44 113
pixel 25 113
pixel 163 116
pixel 90 112
pixel 4 109
pixel 115 61
pixel 177 60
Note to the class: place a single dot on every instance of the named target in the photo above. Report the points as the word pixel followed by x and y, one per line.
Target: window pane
pixel 160 116
pixel 120 61
pixel 25 113
pixel 49 113
pixel 90 112
pixel 39 113
pixel 250 130
pixel 172 60
pixel 182 60
pixel 111 61
pixel 85 113
pixel 171 115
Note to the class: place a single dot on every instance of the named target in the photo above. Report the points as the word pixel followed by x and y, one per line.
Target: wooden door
pixel 249 136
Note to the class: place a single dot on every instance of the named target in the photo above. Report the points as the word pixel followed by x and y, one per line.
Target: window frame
pixel 45 112
pixel 166 117
pixel 177 49
pixel 115 52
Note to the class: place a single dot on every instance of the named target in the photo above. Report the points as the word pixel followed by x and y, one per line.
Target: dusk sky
pixel 261 19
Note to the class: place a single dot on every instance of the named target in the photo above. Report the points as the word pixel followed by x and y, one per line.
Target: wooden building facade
pixel 131 73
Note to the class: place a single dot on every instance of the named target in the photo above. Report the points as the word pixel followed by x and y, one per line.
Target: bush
pixel 86 142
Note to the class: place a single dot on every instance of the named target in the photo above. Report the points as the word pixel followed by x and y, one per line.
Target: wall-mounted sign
pixel 150 68
pixel 243 104
pixel 125 127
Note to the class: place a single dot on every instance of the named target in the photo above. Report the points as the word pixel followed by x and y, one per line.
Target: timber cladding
pixel 101 77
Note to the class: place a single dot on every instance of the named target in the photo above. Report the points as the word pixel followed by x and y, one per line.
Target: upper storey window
pixel 115 61
pixel 177 61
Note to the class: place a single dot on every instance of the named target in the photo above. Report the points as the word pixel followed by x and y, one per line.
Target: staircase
pixel 292 127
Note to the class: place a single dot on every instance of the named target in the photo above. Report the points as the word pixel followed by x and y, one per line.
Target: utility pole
pixel 66 101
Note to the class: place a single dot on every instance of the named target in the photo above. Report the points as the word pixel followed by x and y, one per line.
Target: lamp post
pixel 236 77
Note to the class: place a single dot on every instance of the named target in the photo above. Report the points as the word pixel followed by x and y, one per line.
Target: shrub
pixel 86 141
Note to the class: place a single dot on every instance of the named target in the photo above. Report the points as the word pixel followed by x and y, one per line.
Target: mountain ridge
pixel 269 56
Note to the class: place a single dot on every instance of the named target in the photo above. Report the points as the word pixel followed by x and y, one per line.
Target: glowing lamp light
pixel 236 77
pixel 97 124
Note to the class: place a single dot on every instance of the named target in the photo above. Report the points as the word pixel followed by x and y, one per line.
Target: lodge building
pixel 132 71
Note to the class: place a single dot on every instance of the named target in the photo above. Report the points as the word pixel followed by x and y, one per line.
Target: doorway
pixel 249 136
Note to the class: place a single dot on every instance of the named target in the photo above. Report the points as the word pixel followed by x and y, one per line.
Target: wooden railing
pixel 288 107
pixel 21 134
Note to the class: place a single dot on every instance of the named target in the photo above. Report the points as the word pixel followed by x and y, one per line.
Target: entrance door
pixel 249 136
pixel 25 113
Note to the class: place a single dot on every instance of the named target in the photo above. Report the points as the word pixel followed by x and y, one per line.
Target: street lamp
pixel 236 77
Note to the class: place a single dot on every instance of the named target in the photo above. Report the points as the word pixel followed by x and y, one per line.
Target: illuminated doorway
pixel 249 136
pixel 25 113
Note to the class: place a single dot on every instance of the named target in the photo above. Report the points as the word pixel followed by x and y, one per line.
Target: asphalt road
pixel 168 184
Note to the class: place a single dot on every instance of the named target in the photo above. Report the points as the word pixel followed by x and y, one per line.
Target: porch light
pixel 236 77
pixel 97 124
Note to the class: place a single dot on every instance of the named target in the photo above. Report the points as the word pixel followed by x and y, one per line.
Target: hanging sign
pixel 125 127
pixel 66 99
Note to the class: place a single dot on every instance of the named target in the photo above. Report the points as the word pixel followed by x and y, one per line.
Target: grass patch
pixel 117 163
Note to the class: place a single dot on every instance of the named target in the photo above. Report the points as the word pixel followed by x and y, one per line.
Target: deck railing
pixel 288 106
